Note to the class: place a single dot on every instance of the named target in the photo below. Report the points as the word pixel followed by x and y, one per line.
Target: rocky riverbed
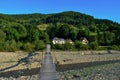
pixel 99 72
pixel 72 66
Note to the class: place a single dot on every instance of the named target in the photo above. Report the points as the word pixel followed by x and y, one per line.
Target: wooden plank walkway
pixel 48 68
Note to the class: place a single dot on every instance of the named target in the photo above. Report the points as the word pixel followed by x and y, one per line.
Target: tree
pixel 39 45
pixel 32 33
pixel 83 32
pixel 51 30
pixel 117 36
pixel 109 37
pixel 93 27
pixel 2 36
pixel 44 36
pixel 21 31
pixel 64 31
pixel 101 38
pixel 15 31
pixel 93 45
pixel 73 33
pixel 11 33
pixel 92 38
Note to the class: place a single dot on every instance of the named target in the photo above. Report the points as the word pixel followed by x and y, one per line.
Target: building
pixel 57 40
pixel 84 40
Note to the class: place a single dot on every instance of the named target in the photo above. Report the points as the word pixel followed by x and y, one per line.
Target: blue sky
pixel 105 9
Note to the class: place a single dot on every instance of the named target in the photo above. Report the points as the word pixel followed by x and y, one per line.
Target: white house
pixel 57 40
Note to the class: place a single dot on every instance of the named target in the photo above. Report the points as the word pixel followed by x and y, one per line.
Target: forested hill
pixel 70 17
pixel 33 31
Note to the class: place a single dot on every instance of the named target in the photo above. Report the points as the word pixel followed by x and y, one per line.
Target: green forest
pixel 30 32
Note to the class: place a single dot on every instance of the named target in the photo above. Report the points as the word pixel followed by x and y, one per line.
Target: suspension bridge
pixel 48 68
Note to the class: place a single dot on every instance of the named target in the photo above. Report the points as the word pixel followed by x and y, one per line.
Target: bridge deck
pixel 48 68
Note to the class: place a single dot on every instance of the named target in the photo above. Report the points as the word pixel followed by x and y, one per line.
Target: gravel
pixel 32 77
pixel 100 72
pixel 103 72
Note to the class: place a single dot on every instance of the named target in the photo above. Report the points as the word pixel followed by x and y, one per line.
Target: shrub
pixel 39 45
pixel 68 46
pixel 115 47
pixel 80 46
pixel 93 45
pixel 58 46
pixel 28 46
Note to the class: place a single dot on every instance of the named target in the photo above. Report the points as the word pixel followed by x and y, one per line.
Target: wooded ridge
pixel 32 31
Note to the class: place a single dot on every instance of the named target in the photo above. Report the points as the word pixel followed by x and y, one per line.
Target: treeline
pixel 33 31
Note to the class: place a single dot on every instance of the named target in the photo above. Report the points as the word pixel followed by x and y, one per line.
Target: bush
pixel 8 46
pixel 1 46
pixel 58 46
pixel 39 45
pixel 80 46
pixel 13 45
pixel 28 46
pixel 115 47
pixel 93 45
pixel 68 46
pixel 19 45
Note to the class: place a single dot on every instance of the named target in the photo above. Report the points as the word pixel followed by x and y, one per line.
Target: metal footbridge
pixel 48 68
